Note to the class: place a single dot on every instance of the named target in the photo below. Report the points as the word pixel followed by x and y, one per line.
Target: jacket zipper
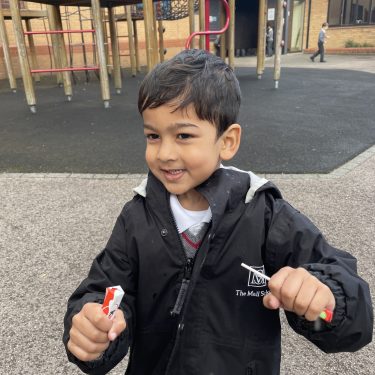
pixel 188 269
pixel 184 288
pixel 181 324
pixel 178 235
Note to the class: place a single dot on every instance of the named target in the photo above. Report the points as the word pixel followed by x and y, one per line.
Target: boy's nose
pixel 167 151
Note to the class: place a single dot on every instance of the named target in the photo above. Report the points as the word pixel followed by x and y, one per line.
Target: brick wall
pixel 359 34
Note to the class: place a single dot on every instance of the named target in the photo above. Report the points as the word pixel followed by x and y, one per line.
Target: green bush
pixel 352 44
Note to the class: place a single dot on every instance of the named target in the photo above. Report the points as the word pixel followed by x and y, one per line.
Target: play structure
pixel 98 29
pixel 27 15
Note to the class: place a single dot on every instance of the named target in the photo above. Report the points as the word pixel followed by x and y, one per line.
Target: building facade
pixel 352 23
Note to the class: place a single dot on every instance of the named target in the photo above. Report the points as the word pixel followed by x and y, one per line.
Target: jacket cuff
pixel 339 312
pixel 109 358
pixel 105 362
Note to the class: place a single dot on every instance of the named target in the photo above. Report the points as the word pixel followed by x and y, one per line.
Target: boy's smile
pixel 173 174
pixel 182 151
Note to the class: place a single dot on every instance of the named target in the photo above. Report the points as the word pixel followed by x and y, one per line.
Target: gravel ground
pixel 52 226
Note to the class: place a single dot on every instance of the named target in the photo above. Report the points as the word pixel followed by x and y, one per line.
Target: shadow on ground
pixel 316 121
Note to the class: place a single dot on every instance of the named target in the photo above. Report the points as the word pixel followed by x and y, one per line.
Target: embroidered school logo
pixel 255 280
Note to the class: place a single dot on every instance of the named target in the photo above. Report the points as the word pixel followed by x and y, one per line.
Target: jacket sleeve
pixel 113 266
pixel 292 240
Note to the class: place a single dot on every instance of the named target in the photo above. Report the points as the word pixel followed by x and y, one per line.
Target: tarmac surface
pixel 317 120
pixel 53 224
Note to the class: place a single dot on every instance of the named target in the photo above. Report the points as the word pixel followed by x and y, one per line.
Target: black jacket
pixel 223 327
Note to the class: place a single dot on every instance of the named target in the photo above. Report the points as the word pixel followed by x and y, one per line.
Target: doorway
pixel 296 20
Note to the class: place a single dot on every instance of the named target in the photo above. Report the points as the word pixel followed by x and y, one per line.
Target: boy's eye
pixel 184 136
pixel 151 137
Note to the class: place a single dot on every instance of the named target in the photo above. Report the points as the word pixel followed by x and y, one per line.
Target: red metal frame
pixel 58 32
pixel 207 32
pixel 56 70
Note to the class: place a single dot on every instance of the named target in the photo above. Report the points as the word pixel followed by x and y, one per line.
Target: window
pixel 334 12
pixel 4 4
pixel 362 13
pixel 372 18
pixel 351 12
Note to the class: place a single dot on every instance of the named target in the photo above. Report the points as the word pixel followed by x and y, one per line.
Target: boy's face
pixel 182 151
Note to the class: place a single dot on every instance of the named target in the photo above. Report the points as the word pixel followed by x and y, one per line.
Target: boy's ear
pixel 230 142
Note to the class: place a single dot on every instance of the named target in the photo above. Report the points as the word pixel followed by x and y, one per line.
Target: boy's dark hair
pixel 324 24
pixel 194 77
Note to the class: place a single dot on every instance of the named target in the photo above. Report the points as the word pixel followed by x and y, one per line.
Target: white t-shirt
pixel 187 219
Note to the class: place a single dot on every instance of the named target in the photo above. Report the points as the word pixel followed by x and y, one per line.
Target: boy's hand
pixel 296 290
pixel 92 331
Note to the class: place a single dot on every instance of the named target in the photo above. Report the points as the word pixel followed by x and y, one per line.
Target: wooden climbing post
pixel 278 40
pixel 104 82
pixel 261 38
pixel 136 44
pixel 30 38
pixel 105 37
pixel 223 37
pixel 22 54
pixel 7 58
pixel 202 23
pixel 191 21
pixel 155 35
pixel 59 51
pixel 51 16
pixel 161 40
pixel 132 51
pixel 148 20
pixel 63 56
pixel 115 50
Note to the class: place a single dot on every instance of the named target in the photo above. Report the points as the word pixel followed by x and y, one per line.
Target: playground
pixel 67 170
pixel 61 192
pixel 316 121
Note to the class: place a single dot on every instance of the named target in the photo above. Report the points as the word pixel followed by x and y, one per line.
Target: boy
pixel 322 38
pixel 178 245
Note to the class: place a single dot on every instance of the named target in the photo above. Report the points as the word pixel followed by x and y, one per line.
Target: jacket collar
pixel 255 183
pixel 224 190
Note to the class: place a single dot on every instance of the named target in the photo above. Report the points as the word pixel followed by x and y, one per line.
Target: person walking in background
pixel 321 41
pixel 269 41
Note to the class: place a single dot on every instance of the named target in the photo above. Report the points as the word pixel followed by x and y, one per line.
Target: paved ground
pixel 52 226
pixel 319 118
